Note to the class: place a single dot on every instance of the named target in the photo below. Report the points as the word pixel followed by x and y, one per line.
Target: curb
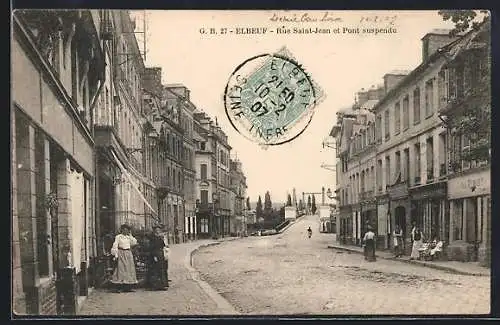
pixel 223 305
pixel 422 264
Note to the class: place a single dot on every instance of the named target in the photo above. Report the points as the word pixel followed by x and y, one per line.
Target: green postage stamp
pixel 270 98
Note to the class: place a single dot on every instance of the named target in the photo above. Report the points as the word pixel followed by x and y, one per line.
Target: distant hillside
pixel 276 206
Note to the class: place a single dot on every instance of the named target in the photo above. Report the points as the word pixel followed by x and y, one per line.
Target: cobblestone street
pixel 291 274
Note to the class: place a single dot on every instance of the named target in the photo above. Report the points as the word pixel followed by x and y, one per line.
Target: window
pixel 429 98
pixel 442 89
pixel 406 165
pixel 398 164
pixel 202 146
pixel 406 114
pixel 203 171
pixel 430 158
pixel 397 118
pixel 204 225
pixel 416 106
pixel 378 128
pixel 379 175
pixel 388 171
pixel 204 197
pixel 372 179
pixel 458 219
pixel 386 124
pixel 417 163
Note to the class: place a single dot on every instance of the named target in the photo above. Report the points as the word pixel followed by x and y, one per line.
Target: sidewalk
pixel 187 294
pixel 463 268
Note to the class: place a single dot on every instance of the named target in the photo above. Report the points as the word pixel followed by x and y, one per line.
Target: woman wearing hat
pixel 369 241
pixel 124 276
pixel 157 264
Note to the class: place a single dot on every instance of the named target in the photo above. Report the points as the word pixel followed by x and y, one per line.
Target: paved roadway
pixel 291 274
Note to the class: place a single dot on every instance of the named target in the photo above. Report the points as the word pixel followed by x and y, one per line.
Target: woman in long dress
pixel 124 276
pixel 369 241
pixel 398 241
pixel 157 265
pixel 418 241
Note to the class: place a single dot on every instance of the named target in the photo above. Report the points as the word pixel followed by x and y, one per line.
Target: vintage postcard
pixel 283 163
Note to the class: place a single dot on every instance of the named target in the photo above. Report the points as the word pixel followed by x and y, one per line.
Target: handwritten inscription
pixel 304 18
pixel 328 17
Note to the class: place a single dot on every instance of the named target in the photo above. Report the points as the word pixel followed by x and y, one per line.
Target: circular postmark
pixel 269 98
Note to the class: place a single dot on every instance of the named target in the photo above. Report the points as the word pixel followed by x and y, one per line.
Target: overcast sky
pixel 340 64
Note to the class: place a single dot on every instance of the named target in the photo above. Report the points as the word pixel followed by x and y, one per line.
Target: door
pixel 400 218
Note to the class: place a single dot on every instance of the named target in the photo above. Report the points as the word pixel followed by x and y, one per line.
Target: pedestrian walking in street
pixel 397 235
pixel 124 275
pixel 369 243
pixel 157 273
pixel 418 241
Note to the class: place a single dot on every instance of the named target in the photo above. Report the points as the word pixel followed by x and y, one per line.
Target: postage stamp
pixel 270 98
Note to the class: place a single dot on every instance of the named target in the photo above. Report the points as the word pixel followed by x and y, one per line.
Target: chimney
pixel 434 40
pixel 392 78
pixel 362 96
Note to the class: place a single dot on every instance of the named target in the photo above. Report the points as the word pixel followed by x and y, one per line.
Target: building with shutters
pixel 58 73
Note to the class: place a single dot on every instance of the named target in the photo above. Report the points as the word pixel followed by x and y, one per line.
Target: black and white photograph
pixel 281 163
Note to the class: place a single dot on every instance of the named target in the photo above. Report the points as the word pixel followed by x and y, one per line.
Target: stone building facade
pixel 57 73
pixel 411 156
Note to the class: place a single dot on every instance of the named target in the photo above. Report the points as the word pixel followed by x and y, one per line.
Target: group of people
pixel 124 276
pixel 417 239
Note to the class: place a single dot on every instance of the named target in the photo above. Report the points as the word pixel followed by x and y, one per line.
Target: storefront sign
pixel 398 191
pixel 476 184
pixel 435 190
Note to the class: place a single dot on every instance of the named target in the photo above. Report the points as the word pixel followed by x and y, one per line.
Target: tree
pixel 301 205
pixel 309 202
pixel 464 20
pixel 313 205
pixel 248 203
pixel 289 201
pixel 258 209
pixel 474 121
pixel 268 206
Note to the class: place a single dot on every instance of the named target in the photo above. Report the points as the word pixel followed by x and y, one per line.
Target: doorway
pixel 400 218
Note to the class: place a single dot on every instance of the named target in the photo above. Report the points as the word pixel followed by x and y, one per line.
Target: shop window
pixel 457 219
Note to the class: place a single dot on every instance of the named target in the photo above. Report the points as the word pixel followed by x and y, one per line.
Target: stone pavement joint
pixel 461 268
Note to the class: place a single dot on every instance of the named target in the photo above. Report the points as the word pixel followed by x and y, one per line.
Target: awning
pixel 130 180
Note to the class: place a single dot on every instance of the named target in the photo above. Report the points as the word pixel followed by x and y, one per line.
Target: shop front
pixel 469 198
pixel 429 210
pixel 382 221
pixel 399 214
pixel 344 224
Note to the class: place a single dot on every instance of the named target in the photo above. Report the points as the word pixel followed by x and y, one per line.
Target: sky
pixel 341 64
